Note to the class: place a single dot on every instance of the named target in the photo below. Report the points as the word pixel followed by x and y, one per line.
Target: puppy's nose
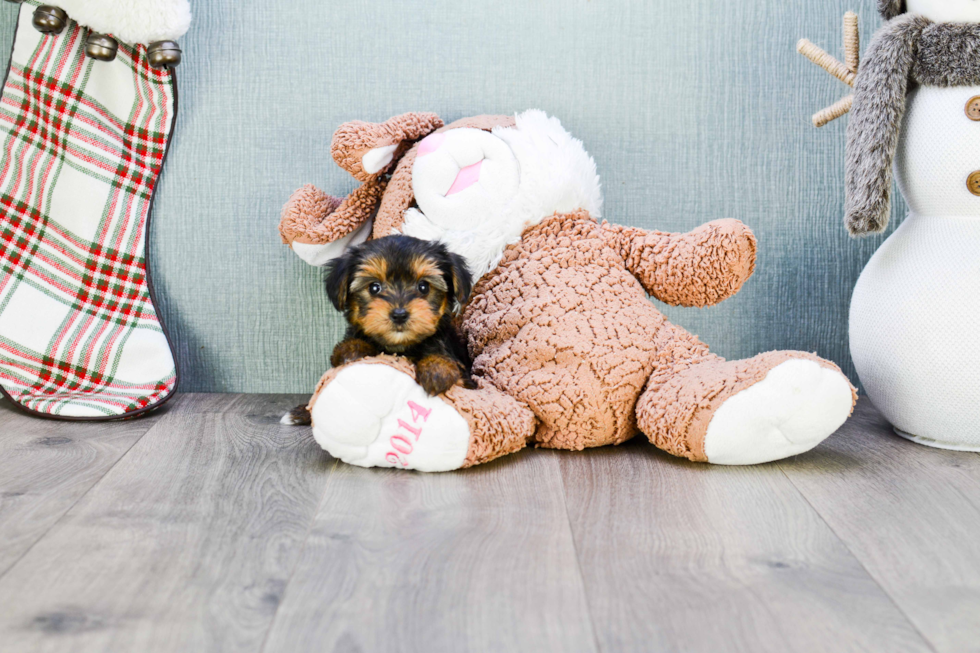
pixel 399 316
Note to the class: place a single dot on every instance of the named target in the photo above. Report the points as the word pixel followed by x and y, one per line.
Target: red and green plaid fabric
pixel 83 145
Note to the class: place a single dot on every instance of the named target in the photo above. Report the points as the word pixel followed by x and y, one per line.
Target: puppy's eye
pixel 424 287
pixel 375 288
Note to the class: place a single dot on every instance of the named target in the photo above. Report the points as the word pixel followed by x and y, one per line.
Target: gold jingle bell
pixel 50 20
pixel 101 46
pixel 163 54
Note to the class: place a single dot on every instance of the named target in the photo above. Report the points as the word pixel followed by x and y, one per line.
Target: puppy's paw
pixel 351 351
pixel 436 374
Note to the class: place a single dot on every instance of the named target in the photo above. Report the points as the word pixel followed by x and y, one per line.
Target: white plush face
pixel 946 11
pixel 478 191
pixel 464 177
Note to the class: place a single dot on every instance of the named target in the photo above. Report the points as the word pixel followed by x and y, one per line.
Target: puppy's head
pixel 398 289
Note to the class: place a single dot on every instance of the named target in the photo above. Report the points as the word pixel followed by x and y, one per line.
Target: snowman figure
pixel 916 307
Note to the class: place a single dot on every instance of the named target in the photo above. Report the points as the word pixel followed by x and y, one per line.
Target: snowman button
pixel 973 108
pixel 973 183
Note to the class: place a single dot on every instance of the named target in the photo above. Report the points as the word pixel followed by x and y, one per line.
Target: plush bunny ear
pixel 891 8
pixel 365 149
pixel 399 195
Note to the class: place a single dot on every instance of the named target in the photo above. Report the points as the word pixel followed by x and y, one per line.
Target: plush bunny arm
pixel 698 268
pixel 876 118
pixel 319 226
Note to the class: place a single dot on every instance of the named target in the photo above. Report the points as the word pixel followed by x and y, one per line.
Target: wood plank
pixel 478 560
pixel 678 556
pixel 46 466
pixel 185 545
pixel 255 405
pixel 911 515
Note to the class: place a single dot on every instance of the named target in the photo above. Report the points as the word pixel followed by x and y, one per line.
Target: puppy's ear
pixel 460 281
pixel 340 271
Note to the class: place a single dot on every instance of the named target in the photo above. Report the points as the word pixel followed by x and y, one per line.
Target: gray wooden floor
pixel 210 527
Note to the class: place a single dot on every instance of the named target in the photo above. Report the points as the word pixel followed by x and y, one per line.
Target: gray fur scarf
pixel 891 8
pixel 907 50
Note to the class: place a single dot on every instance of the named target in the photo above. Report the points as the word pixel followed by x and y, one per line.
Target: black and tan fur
pixel 399 295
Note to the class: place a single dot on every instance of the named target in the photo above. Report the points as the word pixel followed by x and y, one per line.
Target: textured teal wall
pixel 693 111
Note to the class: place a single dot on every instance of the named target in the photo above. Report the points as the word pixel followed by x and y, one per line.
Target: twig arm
pixel 819 56
pixel 845 72
pixel 833 112
pixel 852 42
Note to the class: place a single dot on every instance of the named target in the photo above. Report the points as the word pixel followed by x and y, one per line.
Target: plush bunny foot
pixel 793 409
pixel 377 416
pixel 765 408
pixel 373 414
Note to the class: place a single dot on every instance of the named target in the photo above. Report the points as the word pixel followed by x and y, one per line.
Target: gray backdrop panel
pixel 693 111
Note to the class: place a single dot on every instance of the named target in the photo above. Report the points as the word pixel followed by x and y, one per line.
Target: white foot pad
pixel 375 416
pixel 795 408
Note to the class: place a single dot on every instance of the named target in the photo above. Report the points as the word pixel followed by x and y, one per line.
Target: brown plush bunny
pixel 568 350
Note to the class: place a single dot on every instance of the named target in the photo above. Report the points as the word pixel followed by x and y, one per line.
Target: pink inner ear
pixel 430 144
pixel 466 178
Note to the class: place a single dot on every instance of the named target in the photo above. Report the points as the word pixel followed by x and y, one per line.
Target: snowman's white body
pixel 915 313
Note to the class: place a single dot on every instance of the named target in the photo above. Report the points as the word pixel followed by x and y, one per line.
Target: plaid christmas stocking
pixel 83 143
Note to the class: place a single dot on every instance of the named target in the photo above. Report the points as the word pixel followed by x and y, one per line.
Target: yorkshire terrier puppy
pixel 399 295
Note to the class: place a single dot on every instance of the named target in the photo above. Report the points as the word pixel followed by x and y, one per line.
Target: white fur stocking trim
pixel 131 21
